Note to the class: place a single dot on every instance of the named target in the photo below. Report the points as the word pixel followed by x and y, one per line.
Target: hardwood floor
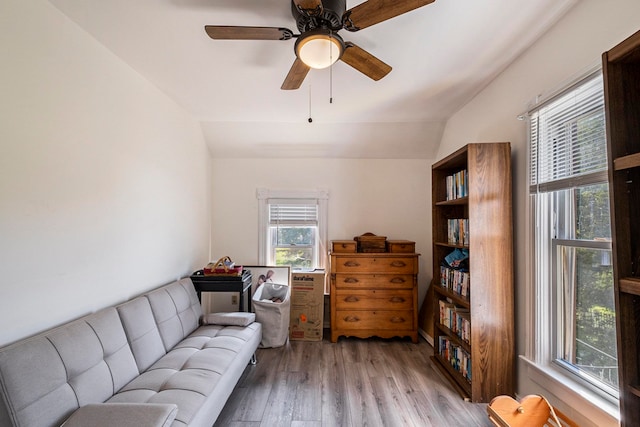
pixel 354 382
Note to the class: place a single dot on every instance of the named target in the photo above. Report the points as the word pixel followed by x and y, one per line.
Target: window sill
pixel 584 404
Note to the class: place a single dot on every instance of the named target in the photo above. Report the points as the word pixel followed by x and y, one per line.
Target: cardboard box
pixel 307 305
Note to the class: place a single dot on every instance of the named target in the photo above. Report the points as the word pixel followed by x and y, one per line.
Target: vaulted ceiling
pixel 442 55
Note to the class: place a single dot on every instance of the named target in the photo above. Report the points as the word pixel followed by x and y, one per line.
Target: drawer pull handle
pixel 351 319
pixel 397 280
pixel 351 280
pixel 351 298
pixel 352 264
pixel 396 319
pixel 397 299
pixel 398 264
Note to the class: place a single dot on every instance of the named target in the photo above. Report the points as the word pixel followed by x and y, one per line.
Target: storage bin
pixel 274 316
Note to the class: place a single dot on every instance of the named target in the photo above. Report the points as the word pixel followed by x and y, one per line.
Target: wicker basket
pixel 223 267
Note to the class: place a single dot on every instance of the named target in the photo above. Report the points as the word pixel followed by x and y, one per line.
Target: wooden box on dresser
pixel 374 294
pixel 473 314
pixel 621 69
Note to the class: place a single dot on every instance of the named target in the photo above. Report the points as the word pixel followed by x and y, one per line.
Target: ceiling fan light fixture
pixel 319 48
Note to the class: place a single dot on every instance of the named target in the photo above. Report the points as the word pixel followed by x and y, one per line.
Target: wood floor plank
pixel 354 382
pixel 362 402
pixel 306 424
pixel 308 398
pixel 334 412
pixel 279 410
pixel 395 409
pixel 258 385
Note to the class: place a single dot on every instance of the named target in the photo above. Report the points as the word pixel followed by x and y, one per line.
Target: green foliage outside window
pixel 294 246
pixel 596 351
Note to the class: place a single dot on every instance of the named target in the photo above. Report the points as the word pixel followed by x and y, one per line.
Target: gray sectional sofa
pixel 147 362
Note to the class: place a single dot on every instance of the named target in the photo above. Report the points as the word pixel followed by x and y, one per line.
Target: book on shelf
pixel 446 308
pixel 457 319
pixel 463 325
pixel 459 359
pixel 457 281
pixel 457 185
pixel 458 231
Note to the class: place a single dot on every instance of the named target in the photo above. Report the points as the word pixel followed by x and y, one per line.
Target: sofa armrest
pixel 229 319
pixel 123 415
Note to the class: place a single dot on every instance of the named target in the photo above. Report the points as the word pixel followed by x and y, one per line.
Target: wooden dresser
pixel 374 294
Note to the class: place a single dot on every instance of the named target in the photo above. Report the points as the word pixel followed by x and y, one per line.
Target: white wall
pixel 384 197
pixel 104 182
pixel 566 52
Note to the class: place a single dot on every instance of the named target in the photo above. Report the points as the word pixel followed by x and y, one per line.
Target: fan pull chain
pixel 310 119
pixel 331 72
pixel 331 85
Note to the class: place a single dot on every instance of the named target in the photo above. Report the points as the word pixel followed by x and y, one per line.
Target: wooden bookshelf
pixel 488 208
pixel 621 69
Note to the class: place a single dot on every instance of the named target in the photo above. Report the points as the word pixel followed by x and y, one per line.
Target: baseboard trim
pixel 426 336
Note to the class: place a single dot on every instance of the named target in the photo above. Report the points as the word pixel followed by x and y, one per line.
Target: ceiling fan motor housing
pixel 330 17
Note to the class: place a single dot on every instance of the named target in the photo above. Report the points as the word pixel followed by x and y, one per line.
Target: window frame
pixel 542 346
pixel 264 195
pixel 274 244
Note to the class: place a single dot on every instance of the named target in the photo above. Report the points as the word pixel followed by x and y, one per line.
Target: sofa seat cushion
pixel 188 374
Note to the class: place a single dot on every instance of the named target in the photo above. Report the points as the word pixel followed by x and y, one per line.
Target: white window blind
pixel 566 135
pixel 293 212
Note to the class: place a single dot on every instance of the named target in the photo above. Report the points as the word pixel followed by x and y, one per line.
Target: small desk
pixel 240 284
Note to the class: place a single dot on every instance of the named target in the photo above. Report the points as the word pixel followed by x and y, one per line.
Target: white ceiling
pixel 442 55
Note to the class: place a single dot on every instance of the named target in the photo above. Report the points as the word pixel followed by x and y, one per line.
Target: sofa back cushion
pixel 45 378
pixel 142 332
pixel 176 310
pixel 117 353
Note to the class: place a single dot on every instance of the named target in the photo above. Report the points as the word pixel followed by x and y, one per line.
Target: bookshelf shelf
pixel 635 390
pixel 621 73
pixel 627 162
pixel 459 383
pixel 455 338
pixel 630 285
pixel 458 299
pixel 454 202
pixel 451 245
pixel 487 311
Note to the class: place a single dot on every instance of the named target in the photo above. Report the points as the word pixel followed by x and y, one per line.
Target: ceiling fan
pixel 319 45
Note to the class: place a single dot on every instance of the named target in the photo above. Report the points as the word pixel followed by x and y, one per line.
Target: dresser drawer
pixel 378 319
pixel 375 264
pixel 374 281
pixel 401 246
pixel 344 246
pixel 357 299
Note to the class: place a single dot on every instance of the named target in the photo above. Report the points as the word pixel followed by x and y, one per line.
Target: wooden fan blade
pixel 296 75
pixel 374 11
pixel 364 62
pixel 309 7
pixel 225 32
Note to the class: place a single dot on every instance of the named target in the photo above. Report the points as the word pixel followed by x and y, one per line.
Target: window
pixel 572 257
pixel 292 228
pixel 293 233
